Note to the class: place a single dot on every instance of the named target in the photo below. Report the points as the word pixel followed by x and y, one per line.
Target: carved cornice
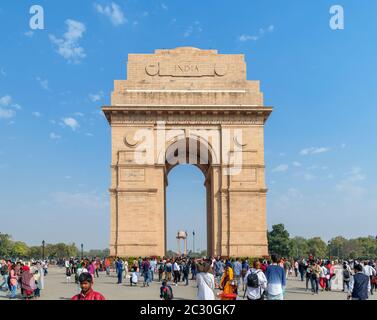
pixel 181 115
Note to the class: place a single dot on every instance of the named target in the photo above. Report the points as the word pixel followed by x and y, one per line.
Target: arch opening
pixel 181 156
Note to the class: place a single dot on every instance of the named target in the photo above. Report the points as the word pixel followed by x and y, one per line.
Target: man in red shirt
pixel 87 293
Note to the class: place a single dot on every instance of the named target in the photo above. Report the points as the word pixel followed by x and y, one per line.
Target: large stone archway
pixel 188 105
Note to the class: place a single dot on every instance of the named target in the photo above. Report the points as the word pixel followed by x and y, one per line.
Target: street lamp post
pixel 82 251
pixel 329 245
pixel 43 250
pixel 193 241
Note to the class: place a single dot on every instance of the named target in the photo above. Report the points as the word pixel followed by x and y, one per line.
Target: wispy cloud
pixel 6 113
pixel 36 114
pixel 94 97
pixel 350 185
pixel 314 150
pixel 70 122
pixel 296 164
pixel 43 83
pixel 194 28
pixel 29 33
pixel 113 12
pixel 261 33
pixel 309 177
pixel 80 200
pixel 54 136
pixel 8 108
pixel 164 6
pixel 2 72
pixel 68 46
pixel 281 168
pixel 5 101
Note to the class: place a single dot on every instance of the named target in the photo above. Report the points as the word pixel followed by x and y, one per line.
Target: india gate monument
pixel 187 105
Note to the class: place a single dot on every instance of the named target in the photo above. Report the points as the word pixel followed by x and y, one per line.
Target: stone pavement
pixel 56 288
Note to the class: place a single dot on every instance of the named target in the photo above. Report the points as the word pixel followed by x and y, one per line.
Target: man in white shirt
pixel 369 271
pixel 176 272
pixel 255 291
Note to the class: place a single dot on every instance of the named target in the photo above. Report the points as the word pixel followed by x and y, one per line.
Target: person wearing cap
pixel 87 292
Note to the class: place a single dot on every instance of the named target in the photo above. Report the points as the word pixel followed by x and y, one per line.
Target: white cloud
pixel 68 47
pixel 309 177
pixel 94 97
pixel 164 6
pixel 79 114
pixel 246 37
pixel 5 101
pixel 7 113
pixel 262 32
pixel 281 168
pixel 292 195
pixel 54 136
pixel 29 33
pixel 113 12
pixel 314 150
pixel 350 185
pixel 296 164
pixel 7 108
pixel 71 122
pixel 36 114
pixel 145 14
pixel 81 200
pixel 195 28
pixel 89 134
pixel 43 83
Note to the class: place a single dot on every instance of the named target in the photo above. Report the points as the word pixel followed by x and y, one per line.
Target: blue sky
pixel 55 144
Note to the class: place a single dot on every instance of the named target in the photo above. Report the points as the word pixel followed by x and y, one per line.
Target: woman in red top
pixel 87 293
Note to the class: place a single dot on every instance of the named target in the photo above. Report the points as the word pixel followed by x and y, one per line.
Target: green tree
pixel 338 247
pixel 298 247
pixel 317 247
pixel 5 245
pixel 35 252
pixel 278 240
pixel 20 249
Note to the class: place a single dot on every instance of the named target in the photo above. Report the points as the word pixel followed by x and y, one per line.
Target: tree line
pixel 280 242
pixel 19 249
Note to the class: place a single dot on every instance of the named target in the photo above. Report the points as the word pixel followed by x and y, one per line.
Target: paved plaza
pixel 56 288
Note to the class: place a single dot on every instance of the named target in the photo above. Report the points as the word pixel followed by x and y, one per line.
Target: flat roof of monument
pixel 185 49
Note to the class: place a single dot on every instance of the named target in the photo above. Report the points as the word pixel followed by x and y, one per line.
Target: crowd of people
pixel 25 277
pixel 215 278
pixel 261 279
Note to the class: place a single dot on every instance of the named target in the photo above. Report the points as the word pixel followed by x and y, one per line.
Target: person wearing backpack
pixel 346 277
pixel 166 292
pixel 168 270
pixel 256 283
pixel 161 269
pixel 5 273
